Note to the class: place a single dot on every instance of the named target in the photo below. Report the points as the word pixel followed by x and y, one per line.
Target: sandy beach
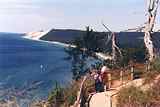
pixel 37 35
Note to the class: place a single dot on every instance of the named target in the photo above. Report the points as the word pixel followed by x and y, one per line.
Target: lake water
pixel 29 69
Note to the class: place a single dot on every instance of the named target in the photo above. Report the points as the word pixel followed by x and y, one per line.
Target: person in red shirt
pixel 105 77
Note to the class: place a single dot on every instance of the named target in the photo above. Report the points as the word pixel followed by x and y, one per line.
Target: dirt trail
pixel 108 98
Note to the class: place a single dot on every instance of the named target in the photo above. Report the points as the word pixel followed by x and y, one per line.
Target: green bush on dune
pixel 63 97
pixel 132 96
pixel 155 65
pixel 135 97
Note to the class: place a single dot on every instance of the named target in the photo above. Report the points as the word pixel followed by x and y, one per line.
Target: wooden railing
pixel 129 73
pixel 78 102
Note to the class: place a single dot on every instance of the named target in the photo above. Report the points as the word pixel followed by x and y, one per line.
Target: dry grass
pixel 135 97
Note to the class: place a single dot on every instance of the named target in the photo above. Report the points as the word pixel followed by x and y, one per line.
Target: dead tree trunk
pixel 152 12
pixel 115 48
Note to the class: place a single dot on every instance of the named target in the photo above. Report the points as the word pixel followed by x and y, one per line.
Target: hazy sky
pixel 34 15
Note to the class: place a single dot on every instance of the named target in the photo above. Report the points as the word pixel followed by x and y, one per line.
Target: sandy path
pixel 106 99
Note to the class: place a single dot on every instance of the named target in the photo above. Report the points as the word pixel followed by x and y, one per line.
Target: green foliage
pixel 155 65
pixel 128 55
pixel 63 97
pixel 56 96
pixel 85 45
pixel 132 54
pixel 78 59
pixel 70 93
pixel 155 70
pixel 155 92
pixel 149 76
pixel 90 41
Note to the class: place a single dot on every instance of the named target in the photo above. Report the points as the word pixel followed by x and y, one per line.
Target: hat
pixel 104 69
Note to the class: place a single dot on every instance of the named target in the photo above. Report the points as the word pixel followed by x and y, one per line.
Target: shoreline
pixel 37 38
pixel 99 55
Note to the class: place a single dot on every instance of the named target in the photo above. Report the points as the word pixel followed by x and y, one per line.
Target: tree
pixel 85 46
pixel 115 48
pixel 152 12
pixel 89 40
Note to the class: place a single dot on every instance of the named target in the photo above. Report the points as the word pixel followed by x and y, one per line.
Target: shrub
pixel 88 88
pixel 155 92
pixel 155 65
pixel 155 70
pixel 70 93
pixel 63 97
pixel 149 76
pixel 132 96
pixel 56 96
pixel 135 97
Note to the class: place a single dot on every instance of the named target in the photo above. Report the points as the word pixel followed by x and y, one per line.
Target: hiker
pixel 99 87
pixel 105 77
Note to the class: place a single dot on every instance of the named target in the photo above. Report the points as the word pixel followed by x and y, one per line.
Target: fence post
pixel 109 80
pixel 132 73
pixel 78 102
pixel 121 77
pixel 148 66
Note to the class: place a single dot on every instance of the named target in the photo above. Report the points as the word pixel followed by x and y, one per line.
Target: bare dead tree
pixel 152 12
pixel 115 48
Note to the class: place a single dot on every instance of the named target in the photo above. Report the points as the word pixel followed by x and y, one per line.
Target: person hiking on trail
pixel 105 77
pixel 98 82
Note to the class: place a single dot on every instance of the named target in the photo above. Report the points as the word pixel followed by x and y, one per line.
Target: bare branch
pixel 106 27
pixel 114 46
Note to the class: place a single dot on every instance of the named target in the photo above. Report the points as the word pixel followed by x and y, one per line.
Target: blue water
pixel 29 69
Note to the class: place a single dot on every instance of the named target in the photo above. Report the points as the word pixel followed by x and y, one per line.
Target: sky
pixel 33 15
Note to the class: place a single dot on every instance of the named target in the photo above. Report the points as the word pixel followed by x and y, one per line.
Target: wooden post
pixel 132 73
pixel 148 66
pixel 109 80
pixel 79 96
pixel 121 77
